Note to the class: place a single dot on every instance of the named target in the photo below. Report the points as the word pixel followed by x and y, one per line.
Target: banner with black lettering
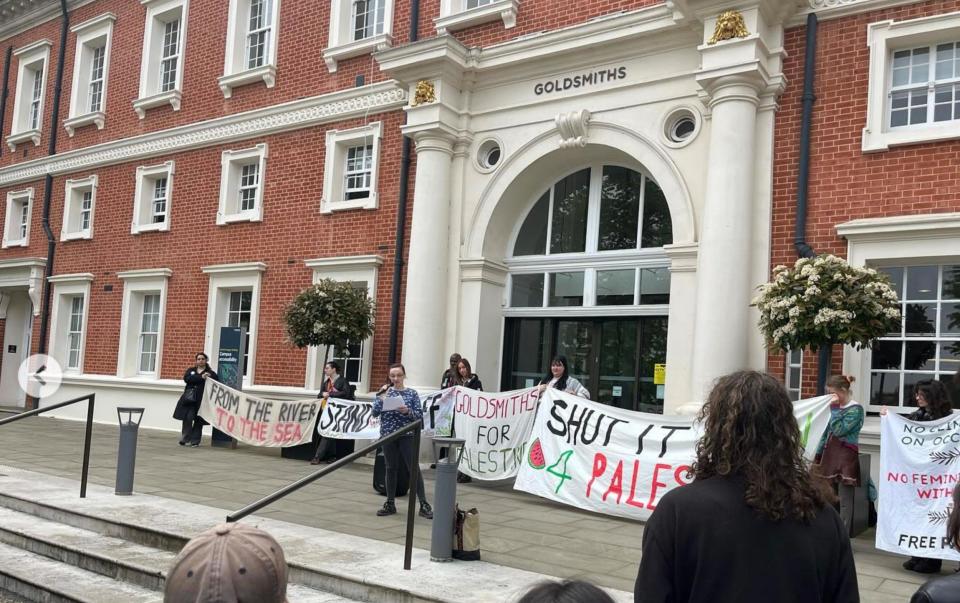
pixel 619 462
pixel 348 420
pixel 919 468
pixel 258 421
pixel 496 429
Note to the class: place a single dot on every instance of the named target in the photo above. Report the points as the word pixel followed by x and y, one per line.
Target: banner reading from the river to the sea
pixel 259 421
pixel 919 468
pixel 496 429
pixel 619 462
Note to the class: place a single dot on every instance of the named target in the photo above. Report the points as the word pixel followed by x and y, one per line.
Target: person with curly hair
pixel 754 524
pixel 933 403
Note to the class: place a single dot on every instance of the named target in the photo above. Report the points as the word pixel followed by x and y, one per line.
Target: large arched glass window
pixel 594 238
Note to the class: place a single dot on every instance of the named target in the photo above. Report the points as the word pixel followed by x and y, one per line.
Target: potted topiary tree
pixel 822 301
pixel 330 314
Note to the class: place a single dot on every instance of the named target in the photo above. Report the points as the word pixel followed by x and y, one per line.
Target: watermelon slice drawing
pixel 535 458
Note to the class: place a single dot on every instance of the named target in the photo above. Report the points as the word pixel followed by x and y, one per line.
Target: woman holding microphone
pixel 399 450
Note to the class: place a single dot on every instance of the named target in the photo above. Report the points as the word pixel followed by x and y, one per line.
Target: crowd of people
pixel 751 492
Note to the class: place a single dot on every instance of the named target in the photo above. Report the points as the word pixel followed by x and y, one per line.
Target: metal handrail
pixel 86 436
pixel 415 427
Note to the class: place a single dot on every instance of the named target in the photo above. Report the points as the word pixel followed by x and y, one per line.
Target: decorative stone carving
pixel 818 4
pixel 424 94
pixel 730 25
pixel 35 288
pixel 573 128
pixel 292 116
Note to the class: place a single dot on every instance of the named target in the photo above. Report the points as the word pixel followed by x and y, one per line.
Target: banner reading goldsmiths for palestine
pixel 258 421
pixel 619 462
pixel 919 468
pixel 496 430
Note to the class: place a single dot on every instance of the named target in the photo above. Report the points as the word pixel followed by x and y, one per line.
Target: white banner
pixel 620 462
pixel 919 467
pixel 348 420
pixel 258 421
pixel 496 429
pixel 437 410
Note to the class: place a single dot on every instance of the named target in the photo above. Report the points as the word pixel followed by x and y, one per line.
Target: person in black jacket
pixel 335 385
pixel 754 524
pixel 466 378
pixel 188 406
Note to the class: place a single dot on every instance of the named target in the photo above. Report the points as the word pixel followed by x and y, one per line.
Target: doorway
pixel 613 357
pixel 17 329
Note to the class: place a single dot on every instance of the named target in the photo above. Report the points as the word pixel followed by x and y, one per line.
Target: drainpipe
pixel 48 181
pixel 401 214
pixel 804 250
pixel 6 91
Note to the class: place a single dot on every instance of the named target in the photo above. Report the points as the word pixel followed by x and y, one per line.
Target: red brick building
pixel 608 180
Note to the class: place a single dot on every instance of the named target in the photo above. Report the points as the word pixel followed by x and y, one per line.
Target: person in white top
pixel 559 378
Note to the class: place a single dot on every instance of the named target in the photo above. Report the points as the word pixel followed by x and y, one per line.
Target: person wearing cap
pixel 228 563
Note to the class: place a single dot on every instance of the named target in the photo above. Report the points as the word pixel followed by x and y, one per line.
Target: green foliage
pixel 824 300
pixel 330 313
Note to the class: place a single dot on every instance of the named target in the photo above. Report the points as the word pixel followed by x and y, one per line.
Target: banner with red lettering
pixel 619 462
pixel 259 421
pixel 919 468
pixel 496 429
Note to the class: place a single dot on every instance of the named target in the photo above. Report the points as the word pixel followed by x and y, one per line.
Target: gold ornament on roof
pixel 424 93
pixel 730 25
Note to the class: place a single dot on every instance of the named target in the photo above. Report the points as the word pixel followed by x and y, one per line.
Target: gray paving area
pixel 517 530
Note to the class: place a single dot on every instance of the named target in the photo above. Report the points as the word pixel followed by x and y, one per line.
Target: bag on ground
pixel 466 535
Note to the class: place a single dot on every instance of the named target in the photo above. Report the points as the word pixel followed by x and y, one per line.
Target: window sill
pixel 223 220
pixel 267 74
pixel 354 49
pixel 17 243
pixel 76 236
pixel 171 98
pixel 14 139
pixel 159 227
pixel 505 10
pixel 882 141
pixel 72 124
pixel 328 207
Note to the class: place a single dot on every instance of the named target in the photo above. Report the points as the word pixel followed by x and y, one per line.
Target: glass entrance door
pixel 613 357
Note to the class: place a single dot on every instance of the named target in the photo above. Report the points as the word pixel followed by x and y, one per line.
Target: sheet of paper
pixel 393 403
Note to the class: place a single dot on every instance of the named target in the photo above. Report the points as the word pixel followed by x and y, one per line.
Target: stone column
pixel 425 308
pixel 722 326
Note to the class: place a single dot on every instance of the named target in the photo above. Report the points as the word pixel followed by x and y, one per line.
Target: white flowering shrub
pixel 824 300
pixel 330 313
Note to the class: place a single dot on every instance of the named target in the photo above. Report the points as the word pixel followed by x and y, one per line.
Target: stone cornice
pixel 295 115
pixel 833 9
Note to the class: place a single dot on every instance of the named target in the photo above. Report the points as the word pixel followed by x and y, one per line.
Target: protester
pixel 754 524
pixel 399 450
pixel 229 563
pixel 838 453
pixel 559 378
pixel 933 402
pixel 466 378
pixel 188 406
pixel 449 377
pixel 947 588
pixel 567 591
pixel 335 385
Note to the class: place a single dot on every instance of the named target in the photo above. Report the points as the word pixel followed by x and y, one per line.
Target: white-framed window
pixel 350 168
pixel 921 254
pixel 71 309
pixel 251 53
pixel 355 361
pixel 233 301
pixel 91 69
pixel 241 185
pixel 358 27
pixel 16 223
pixel 164 44
pixel 914 86
pixel 79 202
pixel 141 322
pixel 152 198
pixel 594 239
pixel 793 373
pixel 32 61
pixel 460 14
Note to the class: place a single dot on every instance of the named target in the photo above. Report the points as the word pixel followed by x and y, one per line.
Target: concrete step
pixel 38 578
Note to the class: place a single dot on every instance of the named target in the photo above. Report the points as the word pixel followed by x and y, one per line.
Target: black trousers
pixel 394 453
pixel 192 427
